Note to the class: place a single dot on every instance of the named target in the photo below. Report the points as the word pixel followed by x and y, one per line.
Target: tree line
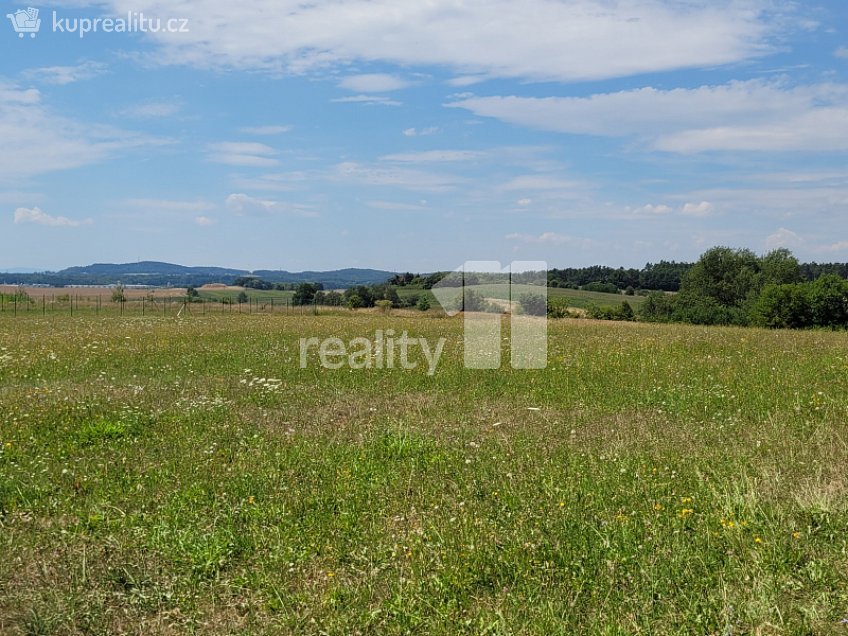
pixel 736 287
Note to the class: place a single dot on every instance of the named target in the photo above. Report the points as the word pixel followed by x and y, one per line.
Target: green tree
pixel 423 303
pixel 829 301
pixel 783 307
pixel 242 297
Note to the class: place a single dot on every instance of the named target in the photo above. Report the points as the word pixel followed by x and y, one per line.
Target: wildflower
pixel 251 500
pixel 796 535
pixel 758 539
pixel 330 575
pixel 621 517
pixel 562 504
pixel 686 500
pixel 658 506
pixel 685 512
pixel 7 445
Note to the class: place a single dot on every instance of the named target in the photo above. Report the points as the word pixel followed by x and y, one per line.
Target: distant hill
pixel 168 274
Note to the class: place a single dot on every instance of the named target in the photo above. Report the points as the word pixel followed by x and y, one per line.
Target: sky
pixel 420 134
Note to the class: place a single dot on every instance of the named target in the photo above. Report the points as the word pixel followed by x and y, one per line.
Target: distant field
pixel 164 476
pixel 231 293
pixel 576 298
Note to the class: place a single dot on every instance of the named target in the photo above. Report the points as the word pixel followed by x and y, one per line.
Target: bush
pixel 385 306
pixel 533 304
pixel 605 288
pixel 558 308
pixel 783 307
pixel 423 303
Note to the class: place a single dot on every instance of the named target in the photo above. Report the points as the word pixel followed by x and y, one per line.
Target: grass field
pixel 163 476
pixel 577 298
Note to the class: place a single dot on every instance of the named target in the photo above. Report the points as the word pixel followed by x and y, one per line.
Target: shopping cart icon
pixel 25 21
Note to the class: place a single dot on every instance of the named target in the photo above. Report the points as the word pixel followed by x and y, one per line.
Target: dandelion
pixel 685 512
pixel 686 500
pixel 758 539
pixel 562 504
pixel 330 575
pixel 796 535
pixel 251 500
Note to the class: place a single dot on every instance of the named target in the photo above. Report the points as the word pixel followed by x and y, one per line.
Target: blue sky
pixel 412 135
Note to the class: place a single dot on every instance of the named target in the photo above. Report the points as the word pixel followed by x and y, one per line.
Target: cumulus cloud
pixel 783 238
pixel 39 217
pixel 704 208
pixel 655 209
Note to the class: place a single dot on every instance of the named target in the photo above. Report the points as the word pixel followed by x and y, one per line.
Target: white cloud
pixel 204 221
pixel 367 99
pixel 654 210
pixel 704 208
pixel 155 109
pixel 37 140
pixel 423 132
pixel 373 83
pixel 170 206
pixel 433 156
pixel 265 131
pixel 61 75
pixel 568 40
pixel 538 182
pixel 751 115
pixel 242 153
pixel 406 178
pixel 466 80
pixel 550 238
pixel 244 205
pixel 842 52
pixel 38 217
pixel 783 238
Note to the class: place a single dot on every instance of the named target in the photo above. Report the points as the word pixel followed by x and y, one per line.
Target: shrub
pixel 533 304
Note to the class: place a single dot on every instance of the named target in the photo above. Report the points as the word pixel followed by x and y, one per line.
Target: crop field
pixel 187 476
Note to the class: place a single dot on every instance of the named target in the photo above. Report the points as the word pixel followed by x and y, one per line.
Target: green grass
pixel 256 295
pixel 577 298
pixel 163 476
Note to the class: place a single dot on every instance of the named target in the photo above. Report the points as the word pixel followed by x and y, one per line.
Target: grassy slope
pixel 670 479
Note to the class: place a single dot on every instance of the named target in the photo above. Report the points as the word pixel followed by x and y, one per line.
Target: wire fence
pixel 78 305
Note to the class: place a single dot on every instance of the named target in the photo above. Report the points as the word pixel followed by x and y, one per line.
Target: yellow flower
pixel 686 500
pixel 8 444
pixel 658 507
pixel 562 504
pixel 330 575
pixel 251 500
pixel 796 535
pixel 621 517
pixel 685 512
pixel 758 539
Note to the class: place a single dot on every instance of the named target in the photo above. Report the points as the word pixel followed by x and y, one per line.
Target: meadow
pixel 185 476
